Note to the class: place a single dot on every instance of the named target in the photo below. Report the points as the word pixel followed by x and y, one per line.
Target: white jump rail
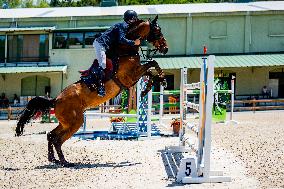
pixel 196 168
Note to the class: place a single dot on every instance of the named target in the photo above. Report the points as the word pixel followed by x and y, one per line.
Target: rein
pixel 149 56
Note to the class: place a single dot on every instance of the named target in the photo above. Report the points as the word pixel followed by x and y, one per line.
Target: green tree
pixel 14 3
pixel 84 3
pixel 68 3
pixel 54 3
pixel 28 4
pixel 43 4
pixel 154 2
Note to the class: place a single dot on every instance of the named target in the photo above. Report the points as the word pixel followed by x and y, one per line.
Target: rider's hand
pixel 137 42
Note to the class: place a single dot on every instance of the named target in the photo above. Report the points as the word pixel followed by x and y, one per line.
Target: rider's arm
pixel 122 37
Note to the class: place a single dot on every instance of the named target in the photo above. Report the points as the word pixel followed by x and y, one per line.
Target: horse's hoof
pixel 165 84
pixel 53 160
pixel 18 134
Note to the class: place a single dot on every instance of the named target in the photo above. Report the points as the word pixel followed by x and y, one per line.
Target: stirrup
pixel 101 91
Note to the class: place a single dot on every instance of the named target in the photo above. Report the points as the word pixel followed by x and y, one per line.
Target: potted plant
pixel 175 124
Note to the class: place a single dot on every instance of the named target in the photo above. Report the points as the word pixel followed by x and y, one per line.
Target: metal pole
pixel 183 76
pixel 107 106
pixel 138 102
pixel 6 48
pixel 85 124
pixel 149 126
pixel 201 113
pixel 161 104
pixel 232 98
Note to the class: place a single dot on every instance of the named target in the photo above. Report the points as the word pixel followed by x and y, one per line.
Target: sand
pixel 252 153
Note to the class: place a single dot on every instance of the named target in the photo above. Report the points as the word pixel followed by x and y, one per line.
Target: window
pixel 71 40
pixel 218 30
pixel 15 48
pixel 89 38
pixel 75 40
pixel 2 48
pixel 276 28
pixel 43 47
pixel 27 48
pixel 60 40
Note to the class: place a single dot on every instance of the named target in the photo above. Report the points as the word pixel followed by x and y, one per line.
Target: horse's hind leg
pixel 59 135
pixel 54 138
pixel 51 137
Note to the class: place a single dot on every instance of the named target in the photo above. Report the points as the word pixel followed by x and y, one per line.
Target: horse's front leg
pixel 160 72
pixel 143 69
pixel 149 83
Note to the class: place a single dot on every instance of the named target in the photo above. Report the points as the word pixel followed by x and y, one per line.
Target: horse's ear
pixel 155 19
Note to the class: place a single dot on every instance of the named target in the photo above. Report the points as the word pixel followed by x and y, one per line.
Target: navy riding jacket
pixel 115 34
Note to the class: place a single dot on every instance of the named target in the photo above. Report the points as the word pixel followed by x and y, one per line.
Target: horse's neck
pixel 142 29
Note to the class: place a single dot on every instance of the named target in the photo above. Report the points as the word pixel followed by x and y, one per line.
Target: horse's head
pixel 151 31
pixel 156 37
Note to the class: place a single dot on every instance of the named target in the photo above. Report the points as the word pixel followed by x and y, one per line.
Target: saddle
pixel 108 70
pixel 90 76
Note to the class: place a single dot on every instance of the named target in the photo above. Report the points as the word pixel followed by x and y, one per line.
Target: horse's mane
pixel 136 23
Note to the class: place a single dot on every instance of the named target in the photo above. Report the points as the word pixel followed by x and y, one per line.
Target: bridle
pixel 154 37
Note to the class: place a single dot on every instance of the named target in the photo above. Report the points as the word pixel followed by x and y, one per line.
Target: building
pixel 42 49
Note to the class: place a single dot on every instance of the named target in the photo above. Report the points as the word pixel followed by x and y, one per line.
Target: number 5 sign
pixel 187 168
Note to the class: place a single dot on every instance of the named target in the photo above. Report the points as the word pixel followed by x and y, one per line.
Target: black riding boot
pixel 101 86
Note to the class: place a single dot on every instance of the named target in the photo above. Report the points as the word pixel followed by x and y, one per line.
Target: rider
pixel 116 34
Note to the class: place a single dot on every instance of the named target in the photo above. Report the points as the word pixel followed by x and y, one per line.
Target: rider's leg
pixel 101 56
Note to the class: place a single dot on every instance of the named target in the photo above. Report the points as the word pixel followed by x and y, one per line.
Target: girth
pixel 120 85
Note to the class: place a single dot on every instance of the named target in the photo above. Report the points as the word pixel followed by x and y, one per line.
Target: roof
pixel 27 29
pixel 142 9
pixel 85 28
pixel 34 69
pixel 53 28
pixel 232 61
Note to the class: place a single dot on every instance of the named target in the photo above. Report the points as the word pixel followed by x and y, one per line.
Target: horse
pixel 73 101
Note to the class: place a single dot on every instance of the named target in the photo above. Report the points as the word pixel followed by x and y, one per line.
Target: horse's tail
pixel 34 105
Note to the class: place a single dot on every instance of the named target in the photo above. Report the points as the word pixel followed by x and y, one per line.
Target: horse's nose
pixel 165 50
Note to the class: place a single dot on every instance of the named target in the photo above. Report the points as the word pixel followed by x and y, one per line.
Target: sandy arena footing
pixel 251 153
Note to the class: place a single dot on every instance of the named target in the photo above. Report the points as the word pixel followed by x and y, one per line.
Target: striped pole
pixel 149 111
pixel 161 112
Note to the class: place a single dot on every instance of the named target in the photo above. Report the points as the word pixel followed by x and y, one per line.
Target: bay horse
pixel 71 103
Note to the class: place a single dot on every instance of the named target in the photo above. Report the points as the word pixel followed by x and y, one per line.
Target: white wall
pixel 75 59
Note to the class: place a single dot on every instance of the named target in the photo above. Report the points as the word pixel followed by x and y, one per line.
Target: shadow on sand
pixel 9 169
pixel 171 164
pixel 88 165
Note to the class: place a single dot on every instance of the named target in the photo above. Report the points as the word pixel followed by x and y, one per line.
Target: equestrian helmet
pixel 130 16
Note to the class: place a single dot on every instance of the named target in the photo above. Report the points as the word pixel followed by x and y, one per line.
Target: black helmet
pixel 130 15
